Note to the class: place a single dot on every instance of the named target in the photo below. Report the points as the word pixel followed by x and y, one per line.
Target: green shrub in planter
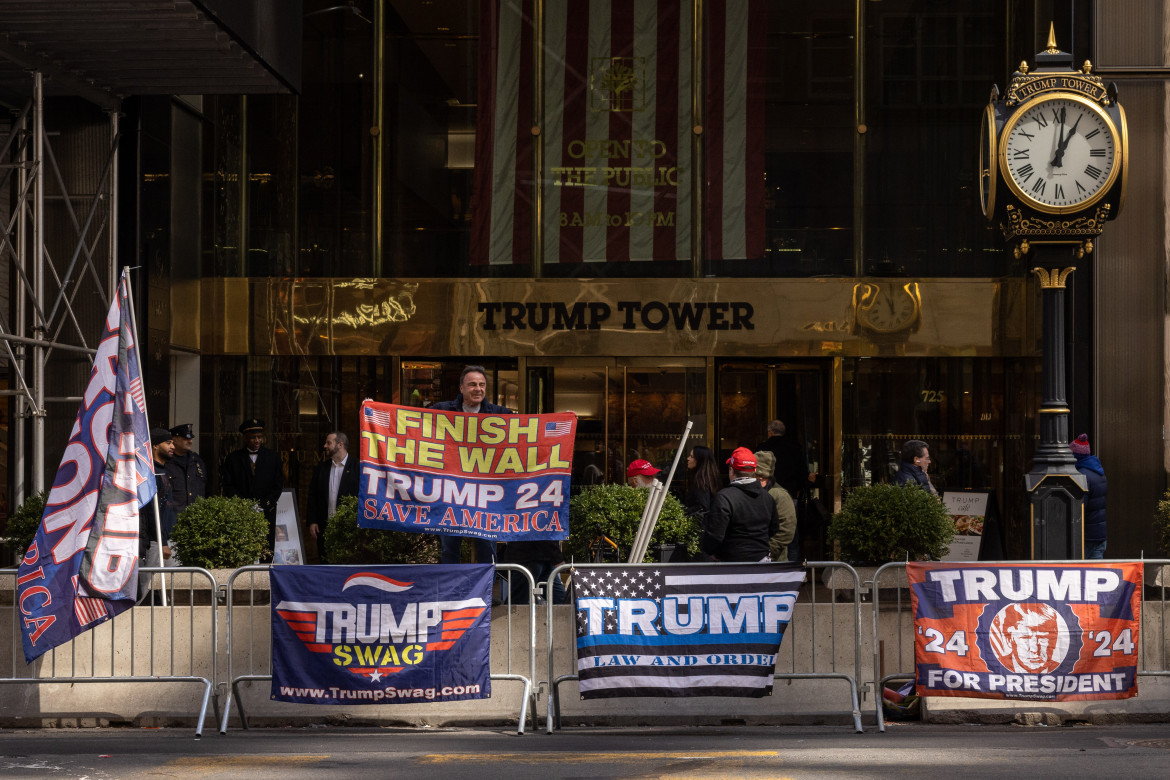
pixel 23 524
pixel 218 532
pixel 345 542
pixel 882 523
pixel 616 509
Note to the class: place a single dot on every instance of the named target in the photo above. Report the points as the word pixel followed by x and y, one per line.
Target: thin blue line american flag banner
pixel 682 631
pixel 80 569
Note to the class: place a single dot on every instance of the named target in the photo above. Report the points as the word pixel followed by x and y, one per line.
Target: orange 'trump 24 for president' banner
pixel 1045 632
pixel 502 477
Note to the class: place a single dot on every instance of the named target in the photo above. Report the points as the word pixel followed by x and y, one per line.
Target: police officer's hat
pixel 251 425
pixel 184 431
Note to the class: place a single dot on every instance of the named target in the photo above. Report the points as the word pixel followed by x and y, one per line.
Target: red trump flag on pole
pixel 80 569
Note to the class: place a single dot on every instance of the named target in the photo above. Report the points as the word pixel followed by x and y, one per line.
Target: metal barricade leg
pixel 227 711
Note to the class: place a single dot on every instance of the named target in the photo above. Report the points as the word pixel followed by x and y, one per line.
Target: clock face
pixel 987 156
pixel 888 308
pixel 1059 154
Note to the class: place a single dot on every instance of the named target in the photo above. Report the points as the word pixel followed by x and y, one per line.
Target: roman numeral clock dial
pixel 1058 154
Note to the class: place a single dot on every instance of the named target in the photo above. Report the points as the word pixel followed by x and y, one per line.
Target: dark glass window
pixel 972 413
pixel 931 69
pixel 335 146
pixel 811 174
pixel 223 160
pixel 809 134
pixel 430 101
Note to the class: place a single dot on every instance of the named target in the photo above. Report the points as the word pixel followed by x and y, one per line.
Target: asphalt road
pixel 904 751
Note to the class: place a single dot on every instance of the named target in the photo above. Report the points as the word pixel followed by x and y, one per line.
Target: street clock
pixel 1053 156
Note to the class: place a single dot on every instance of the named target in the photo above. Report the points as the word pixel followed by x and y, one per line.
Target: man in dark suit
pixel 333 479
pixel 254 472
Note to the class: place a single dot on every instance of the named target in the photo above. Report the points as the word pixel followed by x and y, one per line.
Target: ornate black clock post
pixel 1053 165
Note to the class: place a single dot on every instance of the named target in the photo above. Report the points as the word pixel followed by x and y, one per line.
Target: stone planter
pixel 672 553
pixel 1161 578
pixel 839 581
pixel 194 589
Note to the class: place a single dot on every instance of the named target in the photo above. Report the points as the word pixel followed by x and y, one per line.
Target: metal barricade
pixel 801 652
pixel 254 649
pixel 144 644
pixel 1153 650
pixel 895 575
pixel 1155 642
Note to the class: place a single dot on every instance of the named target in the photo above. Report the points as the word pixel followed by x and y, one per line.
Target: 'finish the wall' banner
pixel 1044 632
pixel 501 477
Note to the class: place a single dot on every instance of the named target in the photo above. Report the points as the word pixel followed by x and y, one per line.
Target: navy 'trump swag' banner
pixel 1045 632
pixel 501 477
pixel 693 631
pixel 382 634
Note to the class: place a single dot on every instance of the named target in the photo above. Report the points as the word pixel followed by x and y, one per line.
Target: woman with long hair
pixel 705 481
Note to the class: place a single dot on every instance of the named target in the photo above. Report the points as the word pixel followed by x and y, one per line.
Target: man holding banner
pixel 472 399
pixel 489 477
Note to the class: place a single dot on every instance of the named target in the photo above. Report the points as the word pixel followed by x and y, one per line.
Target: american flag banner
pixel 617 129
pixel 378 417
pixel 682 630
pixel 560 428
pixel 80 569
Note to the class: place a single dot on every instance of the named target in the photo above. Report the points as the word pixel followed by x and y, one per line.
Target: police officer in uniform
pixel 254 472
pixel 187 471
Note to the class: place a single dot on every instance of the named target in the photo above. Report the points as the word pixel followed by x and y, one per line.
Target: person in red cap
pixel 640 474
pixel 743 516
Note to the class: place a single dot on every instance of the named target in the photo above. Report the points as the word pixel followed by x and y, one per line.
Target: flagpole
pixel 651 500
pixel 146 416
pixel 654 502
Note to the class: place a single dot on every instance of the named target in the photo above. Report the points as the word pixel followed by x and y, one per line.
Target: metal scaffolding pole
pixel 38 259
pixel 112 263
pixel 19 365
pixel 30 330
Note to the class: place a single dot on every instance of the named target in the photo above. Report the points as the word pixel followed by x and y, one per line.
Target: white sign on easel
pixel 969 511
pixel 289 548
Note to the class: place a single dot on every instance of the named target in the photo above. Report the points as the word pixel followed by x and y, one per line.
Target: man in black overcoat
pixel 254 472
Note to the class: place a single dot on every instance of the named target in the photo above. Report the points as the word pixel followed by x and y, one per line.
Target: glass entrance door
pixel 627 409
pixel 752 395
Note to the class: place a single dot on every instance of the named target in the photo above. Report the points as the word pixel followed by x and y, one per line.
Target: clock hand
pixel 1058 157
pixel 1058 160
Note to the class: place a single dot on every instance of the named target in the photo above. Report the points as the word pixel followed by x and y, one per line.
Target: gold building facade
pixel 770 211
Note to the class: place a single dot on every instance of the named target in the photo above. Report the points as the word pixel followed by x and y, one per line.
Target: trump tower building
pixel 641 211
